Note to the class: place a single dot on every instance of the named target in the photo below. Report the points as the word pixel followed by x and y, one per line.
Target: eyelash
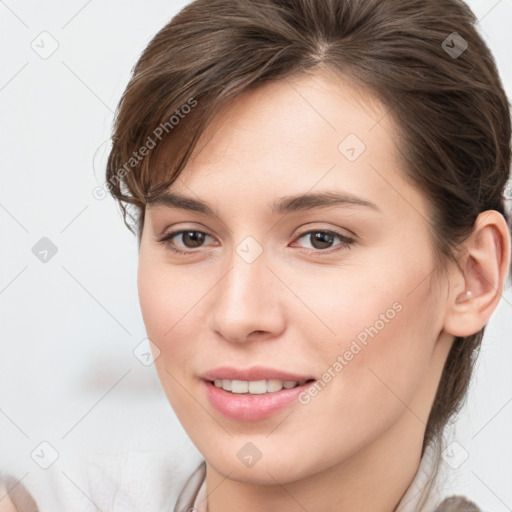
pixel 346 241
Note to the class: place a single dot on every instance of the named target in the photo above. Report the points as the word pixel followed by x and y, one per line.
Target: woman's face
pixel 340 292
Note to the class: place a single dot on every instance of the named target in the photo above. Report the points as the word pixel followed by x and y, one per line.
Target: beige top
pixel 193 495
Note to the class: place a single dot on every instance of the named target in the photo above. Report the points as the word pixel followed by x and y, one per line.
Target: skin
pixel 297 311
pixel 6 505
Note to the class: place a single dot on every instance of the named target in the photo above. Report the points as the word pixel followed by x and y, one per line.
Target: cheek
pixel 381 314
pixel 166 294
pixel 166 304
pixel 385 336
pixel 174 302
pixel 166 301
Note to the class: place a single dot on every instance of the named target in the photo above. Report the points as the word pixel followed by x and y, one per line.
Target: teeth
pixel 274 385
pixel 256 387
pixel 239 386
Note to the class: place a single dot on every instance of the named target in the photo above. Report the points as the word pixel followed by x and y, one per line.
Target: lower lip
pixel 247 407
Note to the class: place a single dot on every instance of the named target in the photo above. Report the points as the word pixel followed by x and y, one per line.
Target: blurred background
pixel 82 417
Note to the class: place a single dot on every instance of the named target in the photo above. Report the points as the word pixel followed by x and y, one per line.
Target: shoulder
pixel 457 504
pixel 14 497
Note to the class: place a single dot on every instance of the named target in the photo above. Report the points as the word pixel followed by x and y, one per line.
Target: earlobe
pixel 477 284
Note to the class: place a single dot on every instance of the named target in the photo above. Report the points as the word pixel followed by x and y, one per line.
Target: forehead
pixel 296 122
pixel 300 134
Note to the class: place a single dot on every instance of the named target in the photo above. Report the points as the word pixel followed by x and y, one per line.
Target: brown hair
pixel 446 99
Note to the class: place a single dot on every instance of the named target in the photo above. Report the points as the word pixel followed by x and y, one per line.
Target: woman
pixel 317 188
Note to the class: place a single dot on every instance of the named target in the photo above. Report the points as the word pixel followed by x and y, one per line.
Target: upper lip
pixel 252 374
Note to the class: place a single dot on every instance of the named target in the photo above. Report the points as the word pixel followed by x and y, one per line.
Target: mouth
pixel 253 400
pixel 257 387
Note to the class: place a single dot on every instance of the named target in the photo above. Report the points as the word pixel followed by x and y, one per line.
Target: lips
pixel 254 373
pixel 248 406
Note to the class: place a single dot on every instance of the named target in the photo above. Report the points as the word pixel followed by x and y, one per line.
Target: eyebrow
pixel 287 204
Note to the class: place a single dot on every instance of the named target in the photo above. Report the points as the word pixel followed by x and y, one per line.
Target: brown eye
pixel 321 239
pixel 192 239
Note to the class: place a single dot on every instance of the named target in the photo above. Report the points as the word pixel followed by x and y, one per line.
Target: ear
pixel 476 287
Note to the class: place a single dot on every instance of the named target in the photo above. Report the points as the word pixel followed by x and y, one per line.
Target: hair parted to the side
pixel 452 113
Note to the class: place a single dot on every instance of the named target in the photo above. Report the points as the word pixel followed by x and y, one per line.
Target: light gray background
pixel 69 326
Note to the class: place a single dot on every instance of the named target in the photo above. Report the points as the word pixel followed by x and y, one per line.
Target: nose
pixel 247 303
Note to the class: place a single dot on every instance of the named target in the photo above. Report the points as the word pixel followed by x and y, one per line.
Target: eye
pixel 323 239
pixel 191 238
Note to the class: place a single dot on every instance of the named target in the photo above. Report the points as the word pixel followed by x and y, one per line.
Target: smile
pixel 256 387
pixel 253 400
